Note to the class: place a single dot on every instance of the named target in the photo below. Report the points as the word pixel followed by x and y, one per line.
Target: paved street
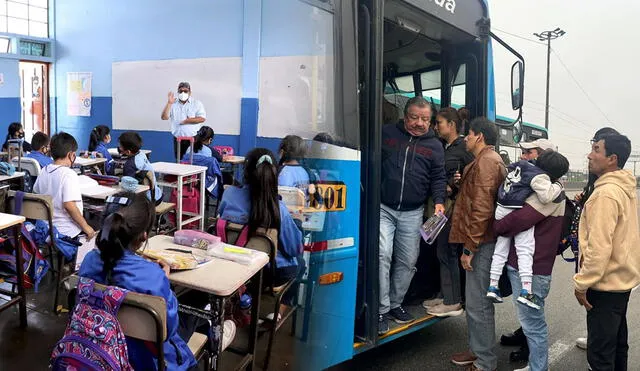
pixel 430 348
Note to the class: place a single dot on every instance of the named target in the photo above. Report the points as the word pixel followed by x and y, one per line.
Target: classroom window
pixel 25 17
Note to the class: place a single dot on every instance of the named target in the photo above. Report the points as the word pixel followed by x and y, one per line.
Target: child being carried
pixel 523 179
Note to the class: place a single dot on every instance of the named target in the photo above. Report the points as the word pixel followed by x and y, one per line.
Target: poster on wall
pixel 79 93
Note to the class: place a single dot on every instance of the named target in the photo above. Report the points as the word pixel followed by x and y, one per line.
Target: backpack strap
pixel 221 231
pixel 113 297
pixel 243 238
pixel 85 288
pixel 19 199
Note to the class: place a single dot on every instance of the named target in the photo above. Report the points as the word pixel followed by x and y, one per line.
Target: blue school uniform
pixel 110 164
pixel 208 152
pixel 42 159
pixel 235 207
pixel 134 273
pixel 294 176
pixel 140 162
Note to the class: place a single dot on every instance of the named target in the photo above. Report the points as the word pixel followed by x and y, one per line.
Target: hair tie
pixel 264 158
pixel 106 228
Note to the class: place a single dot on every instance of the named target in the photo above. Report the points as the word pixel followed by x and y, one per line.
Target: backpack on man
pixel 94 339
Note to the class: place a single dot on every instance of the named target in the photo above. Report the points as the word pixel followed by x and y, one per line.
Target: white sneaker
pixel 228 333
pixel 522 369
pixel 432 303
pixel 270 318
pixel 581 343
pixel 443 310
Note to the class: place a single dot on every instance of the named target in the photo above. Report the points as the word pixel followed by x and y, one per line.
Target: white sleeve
pixel 200 112
pixel 70 187
pixel 544 189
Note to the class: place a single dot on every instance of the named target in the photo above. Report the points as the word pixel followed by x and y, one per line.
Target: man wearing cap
pixel 186 115
pixel 532 150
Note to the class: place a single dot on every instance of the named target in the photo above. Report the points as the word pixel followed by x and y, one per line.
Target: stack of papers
pixel 176 258
pixel 236 254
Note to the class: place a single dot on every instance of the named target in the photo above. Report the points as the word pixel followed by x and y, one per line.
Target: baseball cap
pixel 544 144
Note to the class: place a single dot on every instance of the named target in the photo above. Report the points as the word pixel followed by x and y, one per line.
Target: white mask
pixel 183 96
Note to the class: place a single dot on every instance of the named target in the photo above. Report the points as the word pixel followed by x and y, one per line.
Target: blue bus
pixel 357 54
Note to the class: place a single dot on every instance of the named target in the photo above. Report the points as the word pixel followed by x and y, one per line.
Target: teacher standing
pixel 186 114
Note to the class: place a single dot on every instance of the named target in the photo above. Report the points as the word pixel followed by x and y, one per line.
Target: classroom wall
pixel 9 95
pixel 91 35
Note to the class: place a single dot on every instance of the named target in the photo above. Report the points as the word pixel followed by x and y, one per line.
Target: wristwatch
pixel 467 251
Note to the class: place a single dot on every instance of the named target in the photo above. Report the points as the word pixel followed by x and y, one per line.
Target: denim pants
pixel 533 321
pixel 398 253
pixel 449 258
pixel 480 312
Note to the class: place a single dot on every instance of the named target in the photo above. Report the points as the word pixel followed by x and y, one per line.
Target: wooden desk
pixel 235 162
pixel 182 171
pixel 220 279
pixel 15 221
pixel 84 163
pixel 115 154
pixel 17 176
pixel 102 192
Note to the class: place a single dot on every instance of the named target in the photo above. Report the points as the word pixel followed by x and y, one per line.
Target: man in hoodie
pixel 609 255
pixel 412 170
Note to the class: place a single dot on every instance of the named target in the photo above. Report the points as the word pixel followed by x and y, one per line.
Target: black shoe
pixel 520 355
pixel 383 324
pixel 514 339
pixel 400 315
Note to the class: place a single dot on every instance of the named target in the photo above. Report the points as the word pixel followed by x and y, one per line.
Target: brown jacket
pixel 473 216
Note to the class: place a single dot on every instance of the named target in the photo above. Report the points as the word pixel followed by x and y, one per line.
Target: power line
pixel 518 36
pixel 580 86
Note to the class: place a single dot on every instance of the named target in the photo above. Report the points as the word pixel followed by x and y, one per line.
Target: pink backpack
pixel 93 340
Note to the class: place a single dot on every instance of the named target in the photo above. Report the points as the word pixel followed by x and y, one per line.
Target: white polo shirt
pixel 62 184
pixel 182 111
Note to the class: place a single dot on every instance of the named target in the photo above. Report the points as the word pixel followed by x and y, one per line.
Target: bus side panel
pixel 325 321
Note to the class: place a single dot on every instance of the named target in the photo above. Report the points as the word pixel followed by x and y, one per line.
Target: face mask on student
pixel 183 96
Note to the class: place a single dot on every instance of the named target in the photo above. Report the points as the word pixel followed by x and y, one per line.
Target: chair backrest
pixel 27 164
pixel 141 316
pixel 149 180
pixel 265 240
pixel 34 206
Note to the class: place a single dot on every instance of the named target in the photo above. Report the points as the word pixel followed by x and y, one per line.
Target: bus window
pixel 459 87
pixel 397 92
pixel 430 82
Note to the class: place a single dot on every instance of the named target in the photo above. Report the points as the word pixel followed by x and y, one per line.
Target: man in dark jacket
pixel 412 170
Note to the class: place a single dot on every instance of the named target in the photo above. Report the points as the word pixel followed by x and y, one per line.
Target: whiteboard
pixel 140 91
pixel 296 96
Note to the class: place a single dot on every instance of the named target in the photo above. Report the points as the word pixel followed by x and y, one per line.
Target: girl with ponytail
pixel 292 173
pixel 98 139
pixel 256 205
pixel 115 262
pixel 201 144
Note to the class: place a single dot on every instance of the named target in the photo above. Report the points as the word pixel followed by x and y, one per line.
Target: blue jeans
pixel 398 253
pixel 533 322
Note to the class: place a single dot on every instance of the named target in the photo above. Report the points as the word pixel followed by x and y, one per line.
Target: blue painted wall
pixel 9 95
pixel 91 35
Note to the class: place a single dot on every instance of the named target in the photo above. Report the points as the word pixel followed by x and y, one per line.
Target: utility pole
pixel 548 36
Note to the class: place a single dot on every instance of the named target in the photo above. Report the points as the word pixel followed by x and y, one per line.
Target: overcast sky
pixel 601 51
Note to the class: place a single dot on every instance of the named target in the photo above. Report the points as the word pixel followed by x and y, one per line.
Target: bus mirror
pixel 517 85
pixel 517 131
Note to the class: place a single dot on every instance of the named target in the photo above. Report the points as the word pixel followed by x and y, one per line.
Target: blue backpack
pixel 7 168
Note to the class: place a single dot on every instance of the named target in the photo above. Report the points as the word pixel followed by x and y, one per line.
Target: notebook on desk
pixel 91 188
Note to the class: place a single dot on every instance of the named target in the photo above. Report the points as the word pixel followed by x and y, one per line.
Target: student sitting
pixel 98 139
pixel 60 182
pixel 257 205
pixel 116 263
pixel 202 145
pixel 129 144
pixel 291 172
pixel 15 131
pixel 40 149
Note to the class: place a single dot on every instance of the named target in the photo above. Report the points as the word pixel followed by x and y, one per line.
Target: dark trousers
pixel 607 347
pixel 184 146
pixel 449 258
